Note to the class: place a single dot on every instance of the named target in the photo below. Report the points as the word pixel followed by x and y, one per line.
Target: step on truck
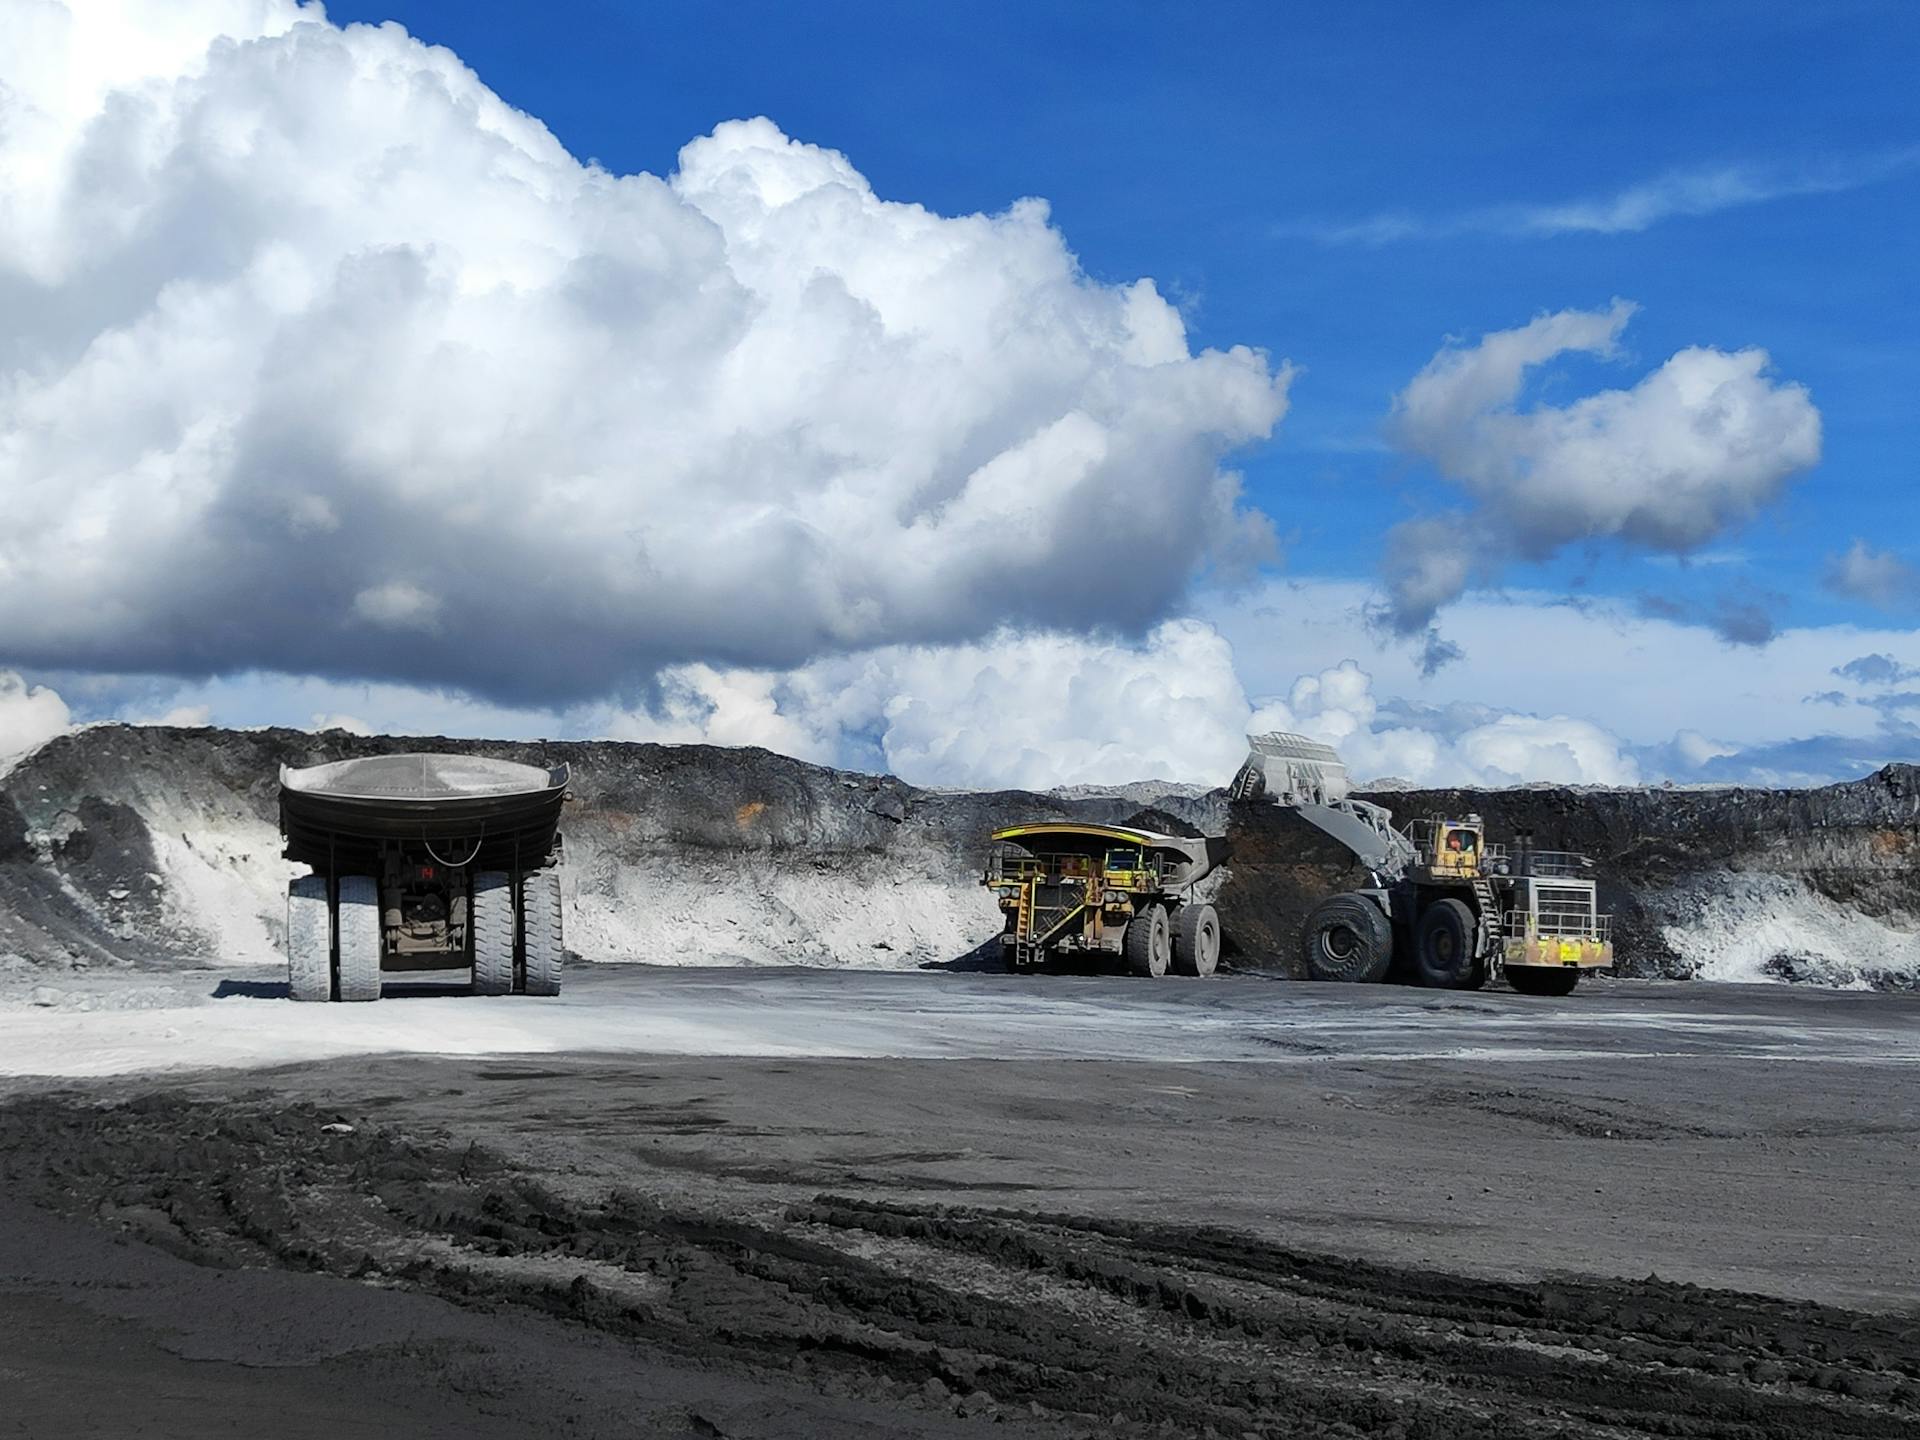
pixel 423 863
pixel 1444 907
pixel 1095 891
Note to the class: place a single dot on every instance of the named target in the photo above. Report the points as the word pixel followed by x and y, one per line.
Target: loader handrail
pixel 1552 864
pixel 1559 924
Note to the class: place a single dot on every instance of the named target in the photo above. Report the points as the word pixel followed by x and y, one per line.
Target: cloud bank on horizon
pixel 336 391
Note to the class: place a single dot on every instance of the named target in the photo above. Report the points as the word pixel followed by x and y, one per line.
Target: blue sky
pixel 1203 146
pixel 1362 191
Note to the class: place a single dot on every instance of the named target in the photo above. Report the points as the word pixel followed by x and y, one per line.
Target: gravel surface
pixel 114 1023
pixel 1653 1209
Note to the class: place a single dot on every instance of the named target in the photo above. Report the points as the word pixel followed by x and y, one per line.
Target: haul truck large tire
pixel 358 926
pixel 1196 940
pixel 1148 942
pixel 1348 938
pixel 1443 948
pixel 1542 979
pixel 309 939
pixel 492 913
pixel 540 926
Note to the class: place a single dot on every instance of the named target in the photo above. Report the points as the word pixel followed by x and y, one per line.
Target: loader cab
pixel 1451 849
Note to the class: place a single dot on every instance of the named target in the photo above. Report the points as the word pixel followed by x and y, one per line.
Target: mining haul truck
pixel 1444 907
pixel 423 862
pixel 1090 890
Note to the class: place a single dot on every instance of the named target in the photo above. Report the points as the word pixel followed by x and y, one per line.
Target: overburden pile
pixel 157 846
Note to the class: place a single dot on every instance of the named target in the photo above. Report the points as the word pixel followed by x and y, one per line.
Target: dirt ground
pixel 1712 1242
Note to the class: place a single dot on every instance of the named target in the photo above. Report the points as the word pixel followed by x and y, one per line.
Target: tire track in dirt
pixel 1120 1326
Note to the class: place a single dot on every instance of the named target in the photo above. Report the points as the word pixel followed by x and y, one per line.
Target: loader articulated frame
pixel 1444 907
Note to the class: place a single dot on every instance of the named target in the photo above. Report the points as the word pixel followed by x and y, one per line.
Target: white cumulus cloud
pixel 1879 577
pixel 1337 706
pixel 322 359
pixel 1035 710
pixel 398 605
pixel 1018 710
pixel 1694 449
pixel 1515 748
pixel 30 715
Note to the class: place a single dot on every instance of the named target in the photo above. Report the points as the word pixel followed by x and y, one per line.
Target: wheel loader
pixel 423 862
pixel 1105 890
pixel 1445 908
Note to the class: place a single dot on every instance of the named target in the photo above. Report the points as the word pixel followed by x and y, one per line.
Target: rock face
pixel 150 845
pixel 157 846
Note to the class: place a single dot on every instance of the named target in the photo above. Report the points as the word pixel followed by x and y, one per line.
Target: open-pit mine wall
pixel 124 845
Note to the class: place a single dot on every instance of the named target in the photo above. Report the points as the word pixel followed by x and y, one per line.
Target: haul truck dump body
pixel 1105 889
pixel 423 862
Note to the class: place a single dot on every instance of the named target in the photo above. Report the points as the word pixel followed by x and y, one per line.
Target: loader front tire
pixel 1148 942
pixel 540 923
pixel 1196 940
pixel 492 912
pixel 309 939
pixel 1443 948
pixel 1349 939
pixel 358 925
pixel 1542 979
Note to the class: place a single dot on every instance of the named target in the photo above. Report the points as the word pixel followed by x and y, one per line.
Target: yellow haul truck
pixel 1444 907
pixel 1068 888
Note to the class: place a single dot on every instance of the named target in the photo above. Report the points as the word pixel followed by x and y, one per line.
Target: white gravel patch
pixel 739 912
pixel 212 1020
pixel 1735 926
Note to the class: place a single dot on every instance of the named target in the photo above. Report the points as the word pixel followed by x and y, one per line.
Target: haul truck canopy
pixel 1180 860
pixel 471 810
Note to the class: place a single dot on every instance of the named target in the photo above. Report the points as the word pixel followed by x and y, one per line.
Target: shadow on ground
pixel 405 990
